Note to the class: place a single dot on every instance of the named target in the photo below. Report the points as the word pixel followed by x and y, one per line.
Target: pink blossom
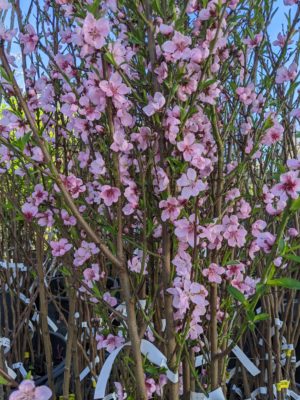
pixel 281 39
pixel 243 209
pixel 235 270
pixel 60 248
pixel 142 138
pixel 189 148
pixel 29 210
pixel 121 394
pixel 115 89
pixel 292 232
pixel 110 343
pixel 28 391
pixel 210 94
pixel 189 292
pixel 110 195
pixel 233 231
pixel 293 163
pixel 232 194
pixel 91 275
pixel 84 252
pixel 273 134
pixel 97 166
pixel 89 110
pixel 289 186
pixel 95 31
pixel 163 380
pixel 112 301
pixel 277 261
pixel 238 283
pixel 191 186
pixel 29 39
pixel 252 43
pixel 161 180
pixel 161 72
pixel 183 264
pixel 135 265
pixel 265 241
pixel 186 230
pixel 150 387
pixel 213 233
pixel 213 273
pixel 74 185
pixel 154 104
pixel 258 226
pixel 45 218
pixel 39 195
pixel 285 74
pixel 177 48
pixel 68 219
pixel 166 29
pixel 171 209
pixel 37 154
pixel 246 94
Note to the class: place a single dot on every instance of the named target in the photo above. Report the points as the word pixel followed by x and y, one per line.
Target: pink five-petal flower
pixel 95 31
pixel 29 210
pixel 177 48
pixel 112 342
pixel 92 275
pixel 28 391
pixel 171 209
pixel 285 74
pixel 233 231
pixel 186 230
pixel 109 194
pixel 191 186
pixel 29 39
pixel 289 185
pixel 60 248
pixel 293 163
pixel 115 88
pixel 213 273
pixel 155 104
pixel 189 148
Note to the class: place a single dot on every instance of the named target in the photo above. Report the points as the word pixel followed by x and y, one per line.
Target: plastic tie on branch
pixel 216 394
pixel 20 367
pixel 10 371
pixel 87 369
pixel 245 360
pixel 12 265
pixel 5 342
pixel 149 350
pixel 51 323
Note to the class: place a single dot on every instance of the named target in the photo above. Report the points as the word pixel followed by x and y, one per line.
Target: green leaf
pixel 3 381
pixel 295 205
pixel 261 317
pixel 292 257
pixel 288 283
pixel 237 295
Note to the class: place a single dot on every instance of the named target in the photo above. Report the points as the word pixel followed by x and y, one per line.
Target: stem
pixel 44 307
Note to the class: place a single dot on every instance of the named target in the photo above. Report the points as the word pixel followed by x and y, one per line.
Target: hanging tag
pixel 245 361
pixel 216 395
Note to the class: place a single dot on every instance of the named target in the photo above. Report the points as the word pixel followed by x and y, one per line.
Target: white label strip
pixel 148 349
pixel 216 395
pixel 5 342
pixel 247 363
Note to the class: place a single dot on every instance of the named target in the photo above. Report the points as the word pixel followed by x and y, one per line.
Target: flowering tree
pixel 156 146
